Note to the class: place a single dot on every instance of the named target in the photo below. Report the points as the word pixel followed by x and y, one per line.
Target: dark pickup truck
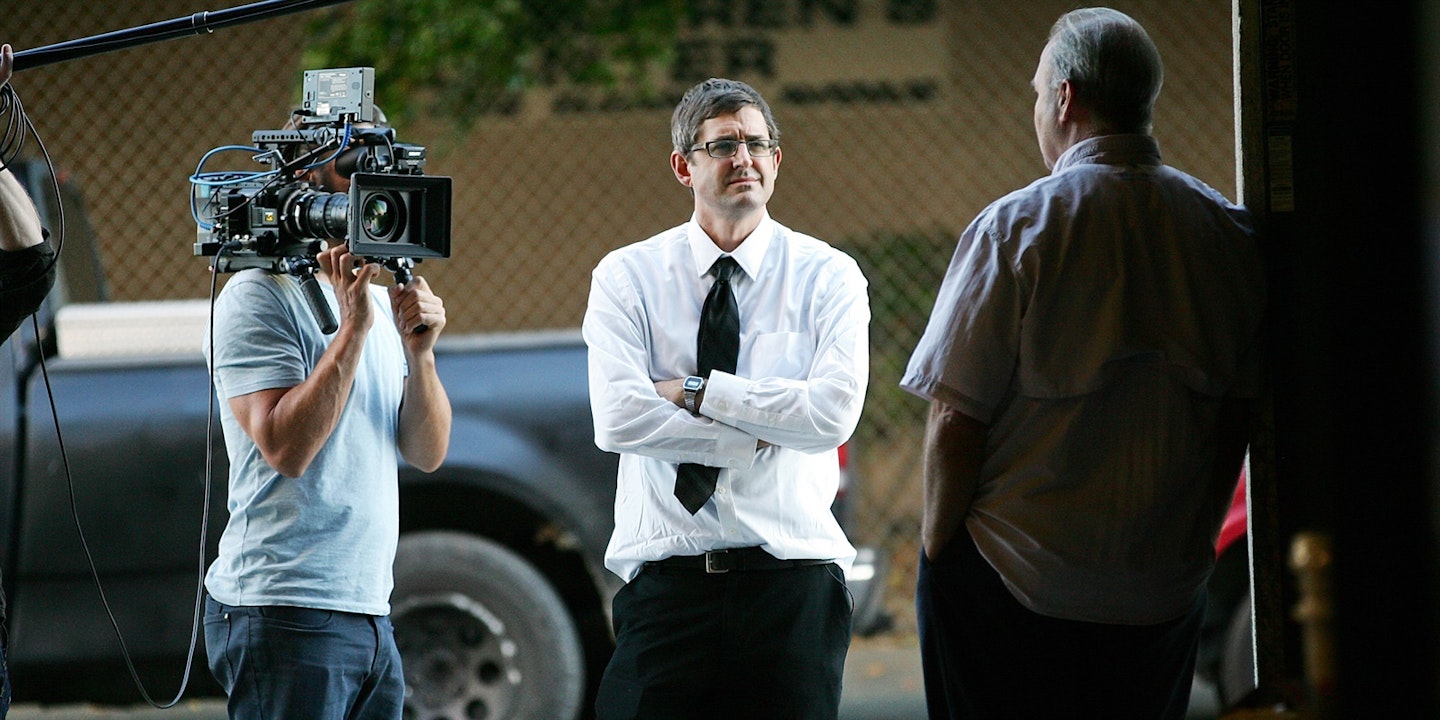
pixel 501 600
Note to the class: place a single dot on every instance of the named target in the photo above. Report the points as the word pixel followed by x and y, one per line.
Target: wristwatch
pixel 694 385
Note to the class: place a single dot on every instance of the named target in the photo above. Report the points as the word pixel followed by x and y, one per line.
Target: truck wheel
pixel 481 633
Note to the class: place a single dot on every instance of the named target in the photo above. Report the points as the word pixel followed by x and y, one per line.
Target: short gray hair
pixel 713 98
pixel 1112 64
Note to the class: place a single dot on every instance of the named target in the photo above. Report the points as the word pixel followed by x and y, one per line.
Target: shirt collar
pixel 1132 149
pixel 748 254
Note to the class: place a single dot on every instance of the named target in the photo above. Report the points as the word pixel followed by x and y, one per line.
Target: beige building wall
pixel 540 197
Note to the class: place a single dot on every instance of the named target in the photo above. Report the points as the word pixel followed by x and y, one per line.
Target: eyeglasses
pixel 760 147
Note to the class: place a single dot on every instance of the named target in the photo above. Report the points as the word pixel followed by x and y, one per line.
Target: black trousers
pixel 985 655
pixel 754 644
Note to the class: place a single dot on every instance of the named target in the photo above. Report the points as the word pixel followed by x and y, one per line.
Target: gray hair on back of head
pixel 1112 64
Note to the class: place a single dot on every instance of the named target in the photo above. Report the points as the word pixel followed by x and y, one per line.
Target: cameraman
pixel 27 270
pixel 296 622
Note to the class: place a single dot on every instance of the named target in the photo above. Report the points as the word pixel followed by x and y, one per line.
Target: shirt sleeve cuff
pixel 724 396
pixel 736 448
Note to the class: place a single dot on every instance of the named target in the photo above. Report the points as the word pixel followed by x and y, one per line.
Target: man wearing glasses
pixel 728 362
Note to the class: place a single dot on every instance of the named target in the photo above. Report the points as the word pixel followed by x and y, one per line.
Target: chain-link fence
pixel 901 119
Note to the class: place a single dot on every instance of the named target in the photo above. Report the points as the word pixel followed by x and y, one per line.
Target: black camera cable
pixel 16 125
pixel 281 173
pixel 13 126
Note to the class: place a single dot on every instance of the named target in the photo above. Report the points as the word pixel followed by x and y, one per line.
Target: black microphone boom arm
pixel 200 23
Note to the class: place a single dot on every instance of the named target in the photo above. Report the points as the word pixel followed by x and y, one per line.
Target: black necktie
pixel 717 348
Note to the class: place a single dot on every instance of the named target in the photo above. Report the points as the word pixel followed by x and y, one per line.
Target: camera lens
pixel 320 214
pixel 379 214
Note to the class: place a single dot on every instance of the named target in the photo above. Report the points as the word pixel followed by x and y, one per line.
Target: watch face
pixel 693 383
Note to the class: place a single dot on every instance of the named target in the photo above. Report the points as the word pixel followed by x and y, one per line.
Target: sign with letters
pixel 796 52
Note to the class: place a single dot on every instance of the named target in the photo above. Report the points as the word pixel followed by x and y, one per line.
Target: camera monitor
pixel 332 94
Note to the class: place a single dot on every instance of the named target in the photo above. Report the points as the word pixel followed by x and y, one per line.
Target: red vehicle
pixel 1225 670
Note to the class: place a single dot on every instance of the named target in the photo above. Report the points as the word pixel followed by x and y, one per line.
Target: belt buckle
pixel 717 562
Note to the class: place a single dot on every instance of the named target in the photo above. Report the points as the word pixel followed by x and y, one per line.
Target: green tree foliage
pixel 462 58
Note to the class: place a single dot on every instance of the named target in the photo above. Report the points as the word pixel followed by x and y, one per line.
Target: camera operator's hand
pixel 425 410
pixel 350 275
pixel 414 305
pixel 7 63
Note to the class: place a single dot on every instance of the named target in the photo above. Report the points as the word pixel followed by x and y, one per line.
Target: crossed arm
pixel 636 413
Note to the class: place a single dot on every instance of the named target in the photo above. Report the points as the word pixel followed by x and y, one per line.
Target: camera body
pixel 277 219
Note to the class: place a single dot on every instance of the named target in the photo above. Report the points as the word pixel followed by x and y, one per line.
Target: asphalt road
pixel 882 682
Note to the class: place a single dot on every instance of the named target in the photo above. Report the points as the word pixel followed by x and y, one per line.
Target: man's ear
pixel 1069 110
pixel 1065 107
pixel 680 164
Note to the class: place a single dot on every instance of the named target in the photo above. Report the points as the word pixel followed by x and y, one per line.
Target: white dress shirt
pixel 799 385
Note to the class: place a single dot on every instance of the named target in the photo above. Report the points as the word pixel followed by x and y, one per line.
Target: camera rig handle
pixel 398 265
pixel 315 296
pixel 401 267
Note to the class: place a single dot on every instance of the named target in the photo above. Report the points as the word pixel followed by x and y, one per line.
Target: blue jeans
pixel 292 663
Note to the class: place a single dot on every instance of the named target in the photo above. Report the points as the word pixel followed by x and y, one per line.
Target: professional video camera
pixel 277 220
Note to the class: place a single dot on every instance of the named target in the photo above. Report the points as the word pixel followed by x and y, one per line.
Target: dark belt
pixel 723 561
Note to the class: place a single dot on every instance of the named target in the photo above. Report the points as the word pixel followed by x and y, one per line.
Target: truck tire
pixel 481 633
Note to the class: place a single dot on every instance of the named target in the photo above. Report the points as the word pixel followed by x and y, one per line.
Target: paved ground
pixel 882 682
